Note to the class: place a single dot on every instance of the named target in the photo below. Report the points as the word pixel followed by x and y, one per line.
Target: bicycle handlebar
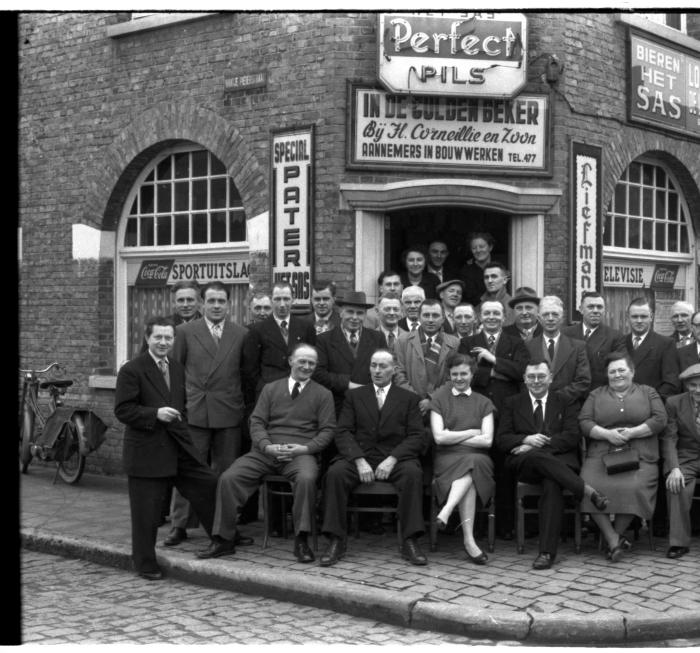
pixel 40 371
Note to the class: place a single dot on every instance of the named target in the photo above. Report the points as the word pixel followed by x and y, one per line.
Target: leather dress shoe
pixel 543 561
pixel 477 560
pixel 156 574
pixel 411 551
pixel 217 548
pixel 302 551
pixel 615 554
pixel 175 536
pixel 676 551
pixel 333 553
pixel 600 501
pixel 242 540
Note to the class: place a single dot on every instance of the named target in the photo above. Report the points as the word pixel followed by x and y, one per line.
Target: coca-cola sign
pixel 664 276
pixel 154 273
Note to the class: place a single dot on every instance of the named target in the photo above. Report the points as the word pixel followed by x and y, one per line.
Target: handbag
pixel 621 459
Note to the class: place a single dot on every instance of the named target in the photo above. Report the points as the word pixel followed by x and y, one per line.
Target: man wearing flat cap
pixel 680 449
pixel 450 294
pixel 526 306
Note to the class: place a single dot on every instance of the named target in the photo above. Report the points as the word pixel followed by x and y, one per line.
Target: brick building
pixel 236 146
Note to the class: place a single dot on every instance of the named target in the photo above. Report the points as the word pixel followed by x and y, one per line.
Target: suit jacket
pixel 680 440
pixel 656 363
pixel 410 371
pixel 688 356
pixel 366 432
pixel 336 364
pixel 212 374
pixel 266 354
pixel 570 369
pixel 512 357
pixel 403 324
pixel 333 320
pixel 602 342
pixel 177 320
pixel 150 447
pixel 560 424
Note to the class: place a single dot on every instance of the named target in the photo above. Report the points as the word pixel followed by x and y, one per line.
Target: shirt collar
pixel 358 333
pixel 548 338
pixel 291 382
pixel 210 324
pixel 456 392
pixel 279 321
pixel 642 338
pixel 385 388
pixel 157 360
pixel 534 399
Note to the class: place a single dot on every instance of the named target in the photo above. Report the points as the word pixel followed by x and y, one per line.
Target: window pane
pixel 146 199
pixel 130 234
pixel 673 238
pixel 164 203
pixel 182 196
pixel 648 199
pixel 199 228
pixel 634 200
pixel 199 164
pixel 199 195
pixel 661 204
pixel 660 177
pixel 620 198
pixel 648 175
pixel 672 206
pixel 218 227
pixel 647 234
pixel 164 230
pixel 661 235
pixel 182 229
pixel 234 195
pixel 217 168
pixel 236 225
pixel 607 232
pixel 134 207
pixel 182 165
pixel 218 193
pixel 635 171
pixel 150 176
pixel 146 232
pixel 634 232
pixel 685 247
pixel 165 168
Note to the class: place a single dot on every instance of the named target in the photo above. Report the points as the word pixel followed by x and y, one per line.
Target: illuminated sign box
pixel 474 54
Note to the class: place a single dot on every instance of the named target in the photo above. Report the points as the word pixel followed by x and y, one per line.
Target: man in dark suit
pixel 158 450
pixel 411 299
pixel 681 314
pixel 450 294
pixel 567 357
pixel 380 436
pixel 601 340
pixel 526 306
pixel 210 350
pixel 268 343
pixel 259 307
pixel 539 432
pixel 654 356
pixel 388 285
pixel 680 450
pixel 690 354
pixel 344 353
pixel 437 257
pixel 323 316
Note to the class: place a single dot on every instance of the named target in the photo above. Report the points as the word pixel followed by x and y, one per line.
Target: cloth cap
pixel 452 282
pixel 690 372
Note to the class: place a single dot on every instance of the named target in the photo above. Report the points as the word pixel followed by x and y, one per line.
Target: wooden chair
pixel 374 489
pixel 523 490
pixel 275 485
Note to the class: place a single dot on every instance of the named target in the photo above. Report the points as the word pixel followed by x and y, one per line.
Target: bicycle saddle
pixel 58 383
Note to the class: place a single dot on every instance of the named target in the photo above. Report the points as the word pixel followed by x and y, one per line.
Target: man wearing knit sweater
pixel 293 420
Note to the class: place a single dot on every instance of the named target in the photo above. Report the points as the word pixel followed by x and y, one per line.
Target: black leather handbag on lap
pixel 621 459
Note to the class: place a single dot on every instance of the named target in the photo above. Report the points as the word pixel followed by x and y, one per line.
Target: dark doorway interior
pixel 449 224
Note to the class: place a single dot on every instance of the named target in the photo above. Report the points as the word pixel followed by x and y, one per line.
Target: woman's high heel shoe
pixel 477 560
pixel 441 525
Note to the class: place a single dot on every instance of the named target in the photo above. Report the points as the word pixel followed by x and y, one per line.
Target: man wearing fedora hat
pixel 525 304
pixel 450 294
pixel 344 353
pixel 680 448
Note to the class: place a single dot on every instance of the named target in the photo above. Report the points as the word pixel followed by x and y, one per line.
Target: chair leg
pixel 433 522
pixel 492 531
pixel 266 516
pixel 520 526
pixel 577 529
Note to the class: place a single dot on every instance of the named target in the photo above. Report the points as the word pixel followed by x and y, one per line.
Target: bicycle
pixel 63 434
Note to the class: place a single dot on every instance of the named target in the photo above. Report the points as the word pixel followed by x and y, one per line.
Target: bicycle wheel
pixel 25 435
pixel 71 468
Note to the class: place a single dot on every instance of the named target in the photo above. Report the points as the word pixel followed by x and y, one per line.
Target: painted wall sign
pixel 641 274
pixel 165 272
pixel 428 132
pixel 586 178
pixel 665 86
pixel 473 54
pixel 291 215
pixel 242 82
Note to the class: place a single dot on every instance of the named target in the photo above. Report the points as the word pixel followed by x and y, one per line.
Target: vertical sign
pixel 291 214
pixel 586 257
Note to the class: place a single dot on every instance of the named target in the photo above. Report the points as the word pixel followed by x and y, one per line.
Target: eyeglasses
pixel 536 377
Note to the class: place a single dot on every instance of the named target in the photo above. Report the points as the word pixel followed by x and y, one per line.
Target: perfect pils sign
pixel 477 54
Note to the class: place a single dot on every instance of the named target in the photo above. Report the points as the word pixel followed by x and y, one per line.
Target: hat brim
pixel 356 304
pixel 523 298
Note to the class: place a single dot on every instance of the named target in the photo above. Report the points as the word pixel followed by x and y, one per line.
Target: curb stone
pixel 654 626
pixel 577 629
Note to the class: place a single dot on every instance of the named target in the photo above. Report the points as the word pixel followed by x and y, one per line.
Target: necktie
pixel 295 390
pixel 380 397
pixel 550 349
pixel 353 342
pixel 414 326
pixel 492 342
pixel 166 374
pixel 539 417
pixel 216 330
pixel 587 334
pixel 284 330
pixel 635 341
pixel 390 340
pixel 321 325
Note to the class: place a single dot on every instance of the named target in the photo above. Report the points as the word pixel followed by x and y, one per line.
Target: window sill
pixel 153 22
pixel 657 29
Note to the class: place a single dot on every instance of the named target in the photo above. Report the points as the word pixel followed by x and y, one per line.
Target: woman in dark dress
pixel 414 260
pixel 472 273
pixel 614 415
pixel 462 426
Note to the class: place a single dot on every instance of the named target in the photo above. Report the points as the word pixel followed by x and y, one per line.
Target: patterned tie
pixel 353 343
pixel 321 325
pixel 539 417
pixel 295 390
pixel 166 373
pixel 587 335
pixel 636 341
pixel 492 343
pixel 380 397
pixel 216 331
pixel 550 349
pixel 284 330
pixel 390 338
pixel 414 326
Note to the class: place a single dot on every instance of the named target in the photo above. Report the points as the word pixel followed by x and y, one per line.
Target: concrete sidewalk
pixel 583 599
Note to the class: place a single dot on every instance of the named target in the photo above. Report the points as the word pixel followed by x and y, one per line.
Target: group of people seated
pixel 480 396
